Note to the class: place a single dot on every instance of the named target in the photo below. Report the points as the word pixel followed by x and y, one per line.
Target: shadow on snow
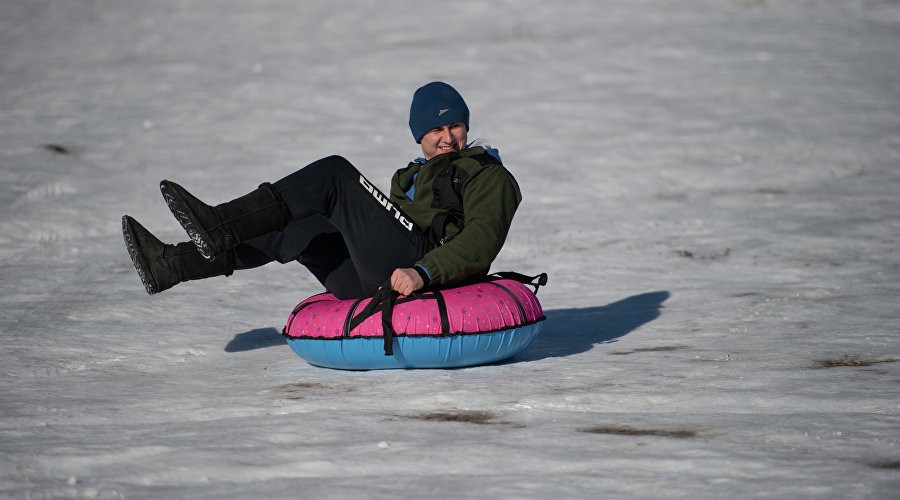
pixel 255 339
pixel 566 331
pixel 572 331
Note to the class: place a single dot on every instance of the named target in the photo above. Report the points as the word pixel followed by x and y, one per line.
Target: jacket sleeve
pixel 490 199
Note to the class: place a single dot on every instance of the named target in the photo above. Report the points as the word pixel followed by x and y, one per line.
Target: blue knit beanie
pixel 435 105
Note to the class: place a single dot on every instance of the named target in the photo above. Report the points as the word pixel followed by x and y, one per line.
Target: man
pixel 445 220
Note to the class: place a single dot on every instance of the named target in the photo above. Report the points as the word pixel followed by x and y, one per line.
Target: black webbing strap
pixel 351 321
pixel 514 298
pixel 301 306
pixel 383 300
pixel 442 310
pixel 387 315
pixel 535 281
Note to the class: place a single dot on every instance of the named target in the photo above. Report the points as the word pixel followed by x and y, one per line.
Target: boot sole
pixel 188 221
pixel 137 257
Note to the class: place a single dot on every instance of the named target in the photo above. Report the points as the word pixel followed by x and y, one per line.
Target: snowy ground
pixel 712 185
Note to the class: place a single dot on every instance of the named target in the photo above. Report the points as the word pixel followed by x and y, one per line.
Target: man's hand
pixel 406 281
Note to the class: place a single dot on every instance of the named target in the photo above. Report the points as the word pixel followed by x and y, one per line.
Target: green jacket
pixel 465 203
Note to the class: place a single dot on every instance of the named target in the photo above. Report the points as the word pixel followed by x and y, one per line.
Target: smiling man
pixel 444 222
pixel 439 119
pixel 454 183
pixel 445 139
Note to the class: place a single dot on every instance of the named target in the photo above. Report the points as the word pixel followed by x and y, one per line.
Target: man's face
pixel 444 139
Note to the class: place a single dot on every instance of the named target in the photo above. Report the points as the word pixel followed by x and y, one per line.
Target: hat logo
pixel 442 111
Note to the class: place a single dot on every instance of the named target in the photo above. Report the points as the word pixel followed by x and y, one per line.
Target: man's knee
pixel 334 164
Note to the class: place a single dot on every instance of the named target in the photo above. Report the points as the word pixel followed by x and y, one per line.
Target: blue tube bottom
pixel 416 352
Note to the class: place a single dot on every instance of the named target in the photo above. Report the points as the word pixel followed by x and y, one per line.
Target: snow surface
pixel 713 187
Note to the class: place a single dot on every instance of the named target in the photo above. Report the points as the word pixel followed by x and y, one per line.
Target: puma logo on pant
pixel 385 202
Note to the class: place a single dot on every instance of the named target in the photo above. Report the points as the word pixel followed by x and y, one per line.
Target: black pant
pixel 345 231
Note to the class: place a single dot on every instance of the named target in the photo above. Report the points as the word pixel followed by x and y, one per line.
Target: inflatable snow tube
pixel 470 325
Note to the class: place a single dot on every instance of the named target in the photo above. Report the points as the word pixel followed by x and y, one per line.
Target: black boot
pixel 162 266
pixel 216 230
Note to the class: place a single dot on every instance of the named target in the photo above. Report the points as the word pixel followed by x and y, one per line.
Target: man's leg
pixel 313 242
pixel 378 236
pixel 216 230
pixel 162 266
